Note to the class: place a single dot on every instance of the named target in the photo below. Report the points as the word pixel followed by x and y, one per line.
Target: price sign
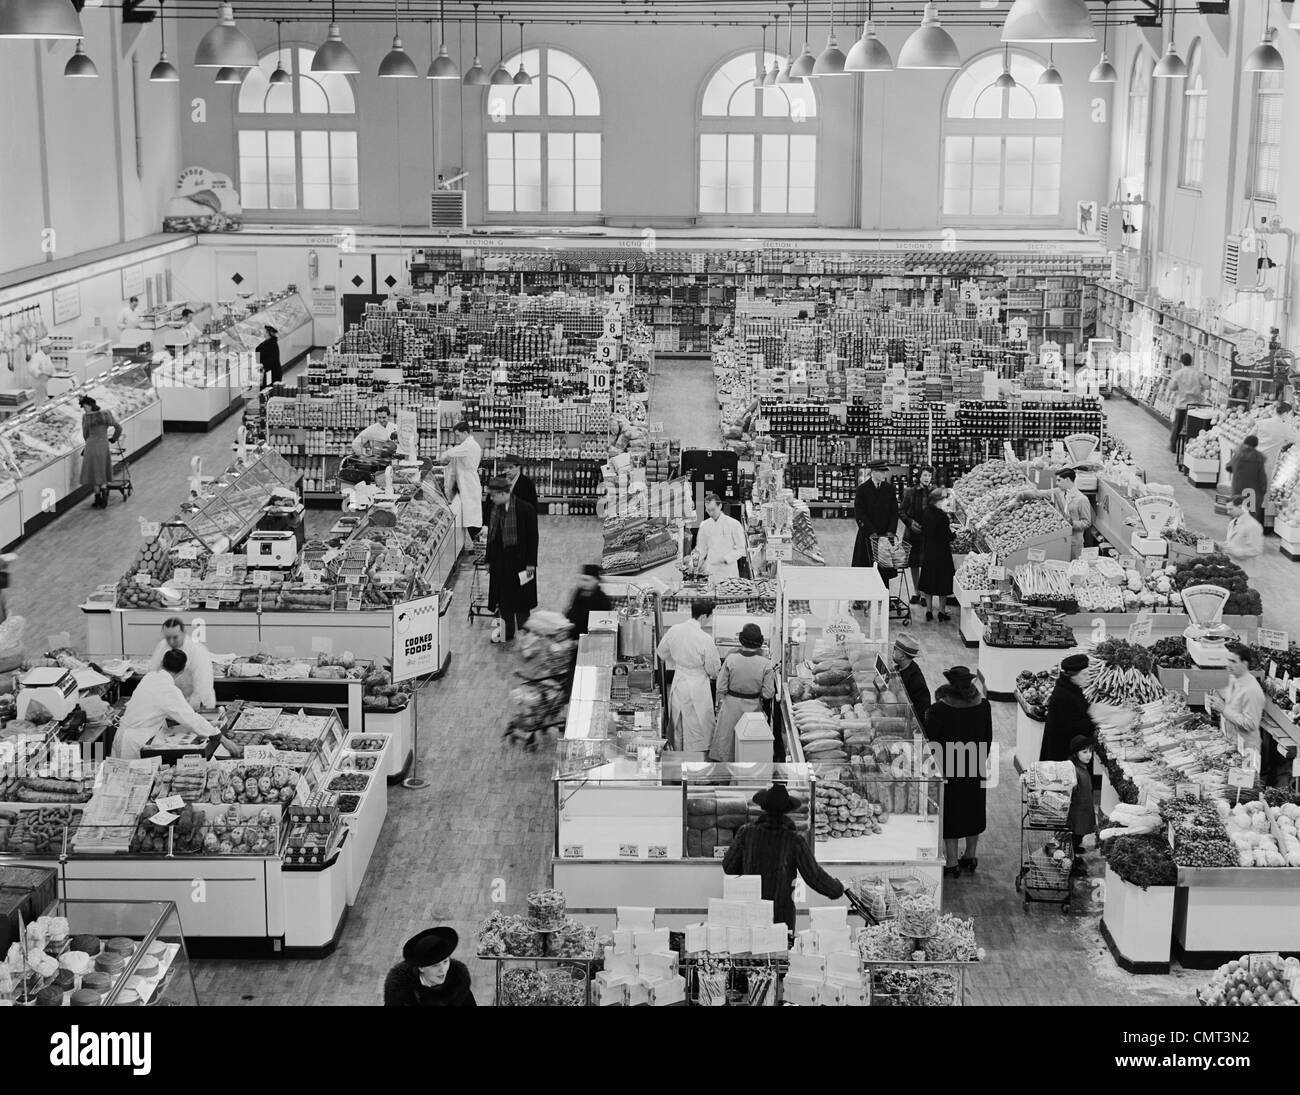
pixel 762 425
pixel 1128 562
pixel 263 754
pixel 223 566
pixel 658 851
pixel 780 551
pixel 719 853
pixel 211 605
pixel 263 578
pixel 629 851
pixel 164 818
pixel 656 429
pixel 1241 777
pixel 1204 546
pixel 1140 629
pixel 997 573
pixel 598 378
pixel 354 602
pixel 1037 555
pixel 150 529
pixel 1274 640
pixel 809 494
pixel 571 851
pixel 171 802
pixel 927 853
pixel 182 576
pixel 187 551
pixel 1188 790
pixel 1090 555
pixel 143 578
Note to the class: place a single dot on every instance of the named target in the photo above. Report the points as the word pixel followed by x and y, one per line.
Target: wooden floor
pixel 481 833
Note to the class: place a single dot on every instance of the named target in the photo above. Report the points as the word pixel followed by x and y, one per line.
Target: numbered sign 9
pixel 606 349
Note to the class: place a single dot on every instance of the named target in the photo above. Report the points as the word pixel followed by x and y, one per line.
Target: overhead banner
pixel 415 638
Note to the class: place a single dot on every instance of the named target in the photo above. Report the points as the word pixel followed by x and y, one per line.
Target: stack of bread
pixel 842 812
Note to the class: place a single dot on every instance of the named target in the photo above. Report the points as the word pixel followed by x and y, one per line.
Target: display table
pixel 1000 665
pixel 1233 910
pixel 1137 924
pixel 201 391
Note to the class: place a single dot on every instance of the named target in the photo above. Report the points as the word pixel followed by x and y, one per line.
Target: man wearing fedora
pixel 428 976
pixel 906 649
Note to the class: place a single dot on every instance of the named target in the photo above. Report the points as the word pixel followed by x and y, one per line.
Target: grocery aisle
pixel 685 399
pixel 1279 578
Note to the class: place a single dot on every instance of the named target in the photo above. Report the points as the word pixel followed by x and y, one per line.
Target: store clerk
pixel 1074 507
pixel 379 432
pixel 186 335
pixel 195 681
pixel 720 544
pixel 1241 703
pixel 156 701
pixel 129 317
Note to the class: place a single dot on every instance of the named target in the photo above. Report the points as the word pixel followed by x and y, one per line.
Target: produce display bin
pixel 1233 910
pixel 1288 539
pixel 1138 924
pixel 1201 471
pixel 1000 665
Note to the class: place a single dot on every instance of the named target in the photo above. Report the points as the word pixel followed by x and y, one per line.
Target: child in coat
pixel 1083 811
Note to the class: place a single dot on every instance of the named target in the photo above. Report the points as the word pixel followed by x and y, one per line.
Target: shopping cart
pixel 1046 847
pixel 892 554
pixel 479 579
pixel 119 474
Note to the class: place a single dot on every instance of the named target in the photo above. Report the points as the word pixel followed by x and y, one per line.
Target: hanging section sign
pixel 416 650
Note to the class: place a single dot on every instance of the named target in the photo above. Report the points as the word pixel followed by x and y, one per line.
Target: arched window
pixel 1194 115
pixel 1266 137
pixel 297 141
pixel 1139 118
pixel 758 146
pixel 1002 146
pixel 544 139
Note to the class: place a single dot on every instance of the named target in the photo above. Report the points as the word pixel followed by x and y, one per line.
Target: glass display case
pixel 226 369
pixel 124 390
pixel 107 954
pixel 286 314
pixel 233 502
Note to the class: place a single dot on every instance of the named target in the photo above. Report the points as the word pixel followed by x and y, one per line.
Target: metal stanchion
pixel 413 781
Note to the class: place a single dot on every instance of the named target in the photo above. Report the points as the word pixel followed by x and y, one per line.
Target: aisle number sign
pixel 1018 329
pixel 622 287
pixel 415 637
pixel 613 326
pixel 598 378
pixel 606 349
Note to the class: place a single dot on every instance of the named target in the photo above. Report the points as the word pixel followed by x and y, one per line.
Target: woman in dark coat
pixel 772 848
pixel 937 568
pixel 511 553
pixel 1082 818
pixel 875 508
pixel 960 725
pixel 915 499
pixel 1067 710
pixel 96 460
pixel 428 976
pixel 268 356
pixel 1248 474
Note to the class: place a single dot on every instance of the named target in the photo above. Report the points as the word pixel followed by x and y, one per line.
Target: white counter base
pixel 1000 665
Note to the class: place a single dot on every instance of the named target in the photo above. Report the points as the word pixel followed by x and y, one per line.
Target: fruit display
pixel 1253 980
pixel 37 832
pixel 1013 526
pixel 973 574
pixel 366 744
pixel 1284 487
pixel 1170 652
pixel 1124 675
pixel 1035 689
pixel 987 477
pixel 1217 569
pixel 231 783
pixel 1230 430
pixel 1199 834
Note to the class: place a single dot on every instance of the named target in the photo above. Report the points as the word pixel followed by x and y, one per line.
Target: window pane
pixel 528 172
pixel 772 199
pixel 1020 103
pixel 802 199
pixel 1047 176
pixel 984 202
pixel 501 198
pixel 989 103
pixel 311 96
pixel 956 203
pixel 559 173
pixel 1015 202
pixel 741 102
pixel 713 173
pixel 587 146
pixel 587 199
pixel 252 169
pixel 343 170
pixel 528 146
pixel 776 148
pixel 500 145
pixel 252 92
pixel 560 146
pixel 559 100
pixel 315 169
pixel 740 173
pixel 527 101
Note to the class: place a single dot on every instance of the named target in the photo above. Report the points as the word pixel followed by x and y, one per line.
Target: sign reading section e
pixel 415 638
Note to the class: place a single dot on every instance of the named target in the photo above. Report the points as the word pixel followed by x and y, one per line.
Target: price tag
pixel 262 754
pixel 150 529
pixel 171 802
pixel 1204 546
pixel 143 578
pixel 223 566
pixel 1128 562
pixel 1241 777
pixel 1188 790
pixel 641 720
pixel 354 602
pixel 780 551
pixel 1272 669
pixel 927 853
pixel 658 851
pixel 719 853
pixel 163 818
pixel 212 605
pixel 571 851
pixel 1090 555
pixel 182 575
pixel 1274 640
pixel 762 425
pixel 262 578
pixel 1187 684
pixel 187 551
pixel 1141 628
pixel 997 573
pixel 629 851
pixel 809 494
pixel 1037 555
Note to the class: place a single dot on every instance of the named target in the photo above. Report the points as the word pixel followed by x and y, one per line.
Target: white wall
pixel 67 147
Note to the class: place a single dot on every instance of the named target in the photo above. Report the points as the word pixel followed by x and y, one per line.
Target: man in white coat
pixel 689 651
pixel 721 543
pixel 129 317
pixel 461 477
pixel 1245 540
pixel 40 367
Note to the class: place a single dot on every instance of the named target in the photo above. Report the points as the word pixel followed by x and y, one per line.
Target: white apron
pixel 462 469
pixel 690 704
pixel 718 571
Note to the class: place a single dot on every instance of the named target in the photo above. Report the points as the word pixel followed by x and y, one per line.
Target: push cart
pixel 874 897
pixel 119 473
pixel 479 579
pixel 892 554
pixel 1046 848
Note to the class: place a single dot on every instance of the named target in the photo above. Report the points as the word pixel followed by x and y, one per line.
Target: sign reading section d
pixel 415 638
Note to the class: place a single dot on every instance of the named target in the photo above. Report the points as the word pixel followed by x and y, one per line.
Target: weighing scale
pixel 1081 448
pixel 52 686
pixel 273 550
pixel 1157 512
pixel 1207 634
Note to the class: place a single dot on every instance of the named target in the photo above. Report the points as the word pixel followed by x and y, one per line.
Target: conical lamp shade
pixel 225 45
pixel 1264 58
pixel 280 76
pixel 1048 21
pixel 476 77
pixel 334 56
pixel 1006 80
pixel 1170 66
pixel 830 62
pixel 397 63
pixel 164 72
pixel 803 64
pixel 500 76
pixel 785 76
pixel 929 46
pixel 1103 72
pixel 522 78
pixel 1050 77
pixel 80 66
pixel 772 74
pixel 443 67
pixel 229 75
pixel 39 19
pixel 868 54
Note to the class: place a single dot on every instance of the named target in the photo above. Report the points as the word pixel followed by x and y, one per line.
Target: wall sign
pixel 67 304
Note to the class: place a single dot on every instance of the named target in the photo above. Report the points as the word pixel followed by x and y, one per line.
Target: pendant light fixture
pixel 280 75
pixel 804 63
pixel 229 75
pixel 225 45
pixel 1049 21
pixel 334 55
pixel 772 73
pixel 1006 81
pixel 929 46
pixel 868 53
pixel 501 74
pixel 49 19
pixel 164 72
pixel 521 77
pixel 830 62
pixel 1263 58
pixel 1170 66
pixel 760 69
pixel 397 63
pixel 784 77
pixel 1050 76
pixel 476 77
pixel 442 67
pixel 1103 72
pixel 80 66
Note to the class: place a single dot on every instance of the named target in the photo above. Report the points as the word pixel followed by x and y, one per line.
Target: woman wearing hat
pixel 909 673
pixel 960 723
pixel 1067 710
pixel 268 356
pixel 937 569
pixel 428 976
pixel 746 682
pixel 772 848
pixel 96 457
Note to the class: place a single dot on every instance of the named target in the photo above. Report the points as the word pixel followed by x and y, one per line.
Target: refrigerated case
pixel 199 390
pixel 288 314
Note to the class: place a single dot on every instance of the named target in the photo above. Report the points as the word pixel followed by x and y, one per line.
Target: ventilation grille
pixel 1231 261
pixel 447 210
pixel 1103 222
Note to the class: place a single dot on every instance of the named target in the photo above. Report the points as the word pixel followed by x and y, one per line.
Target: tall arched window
pixel 297 141
pixel 1266 137
pixel 1139 118
pixel 757 146
pixel 1194 115
pixel 1002 146
pixel 544 139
